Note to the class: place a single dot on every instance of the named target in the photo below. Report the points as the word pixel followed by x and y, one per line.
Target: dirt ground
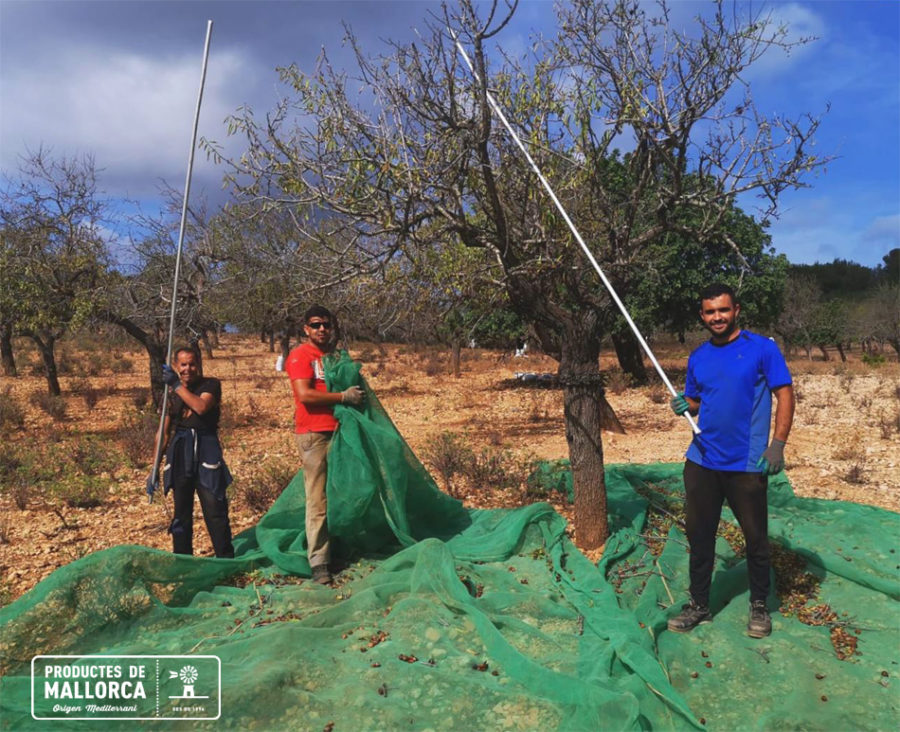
pixel 844 445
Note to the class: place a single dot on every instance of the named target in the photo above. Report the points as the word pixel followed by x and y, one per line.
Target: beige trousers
pixel 313 447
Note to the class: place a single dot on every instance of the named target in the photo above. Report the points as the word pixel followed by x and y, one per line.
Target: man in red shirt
pixel 314 425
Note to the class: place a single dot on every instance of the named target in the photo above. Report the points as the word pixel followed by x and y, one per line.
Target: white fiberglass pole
pixel 154 475
pixel 565 215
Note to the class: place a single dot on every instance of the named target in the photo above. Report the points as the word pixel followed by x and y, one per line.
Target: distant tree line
pixel 251 270
pixel 842 305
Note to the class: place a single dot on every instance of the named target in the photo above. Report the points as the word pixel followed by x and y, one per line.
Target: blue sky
pixel 119 80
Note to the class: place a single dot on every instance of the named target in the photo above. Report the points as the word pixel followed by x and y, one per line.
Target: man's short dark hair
pixel 715 290
pixel 194 349
pixel 317 311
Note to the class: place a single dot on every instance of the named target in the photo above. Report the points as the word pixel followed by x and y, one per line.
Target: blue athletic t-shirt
pixel 733 383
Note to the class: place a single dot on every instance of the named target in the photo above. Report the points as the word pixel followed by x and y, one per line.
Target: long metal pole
pixel 575 233
pixel 154 476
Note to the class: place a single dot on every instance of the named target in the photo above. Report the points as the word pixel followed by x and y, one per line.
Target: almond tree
pixel 53 252
pixel 407 154
pixel 139 300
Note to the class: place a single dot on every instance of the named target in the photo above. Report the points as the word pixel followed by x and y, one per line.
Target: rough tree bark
pixel 455 352
pixel 46 344
pixel 207 343
pixel 156 350
pixel 285 343
pixel 631 357
pixel 580 378
pixel 7 356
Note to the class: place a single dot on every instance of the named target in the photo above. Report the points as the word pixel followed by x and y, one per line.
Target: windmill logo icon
pixel 188 675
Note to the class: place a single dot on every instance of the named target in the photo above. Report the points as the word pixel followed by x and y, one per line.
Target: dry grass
pixel 501 427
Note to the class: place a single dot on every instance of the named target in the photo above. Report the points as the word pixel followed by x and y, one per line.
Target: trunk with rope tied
pixel 585 410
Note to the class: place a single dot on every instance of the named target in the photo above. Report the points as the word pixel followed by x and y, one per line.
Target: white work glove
pixel 353 395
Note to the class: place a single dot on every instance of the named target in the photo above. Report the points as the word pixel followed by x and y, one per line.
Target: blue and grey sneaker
pixel 760 624
pixel 690 617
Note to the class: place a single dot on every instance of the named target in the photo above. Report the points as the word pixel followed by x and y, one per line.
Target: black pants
pixel 746 493
pixel 215 513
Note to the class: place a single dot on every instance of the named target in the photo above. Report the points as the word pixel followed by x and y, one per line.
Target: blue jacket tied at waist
pixel 193 454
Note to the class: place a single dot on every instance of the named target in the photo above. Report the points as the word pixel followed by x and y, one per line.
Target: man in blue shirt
pixel 730 382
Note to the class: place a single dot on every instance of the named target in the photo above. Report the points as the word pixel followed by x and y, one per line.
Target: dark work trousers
pixel 215 513
pixel 746 494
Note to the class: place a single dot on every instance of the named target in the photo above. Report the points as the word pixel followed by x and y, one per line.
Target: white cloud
pixel 884 231
pixel 821 229
pixel 800 23
pixel 133 113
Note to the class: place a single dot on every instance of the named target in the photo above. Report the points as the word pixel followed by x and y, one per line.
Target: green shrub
pixel 12 477
pixel 122 365
pixel 449 457
pixel 889 424
pixel 12 415
pixel 873 359
pixel 52 404
pixel 433 365
pixel 22 472
pixel 90 394
pixel 141 398
pixel 458 465
pixel 856 473
pixel 6 594
pixel 91 456
pixel 81 491
pixel 137 437
pixel 87 367
pixel 65 364
pixel 492 469
pixel 263 487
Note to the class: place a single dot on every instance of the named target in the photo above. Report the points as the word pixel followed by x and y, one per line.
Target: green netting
pixel 450 618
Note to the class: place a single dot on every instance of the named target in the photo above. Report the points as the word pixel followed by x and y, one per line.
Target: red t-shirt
pixel 305 362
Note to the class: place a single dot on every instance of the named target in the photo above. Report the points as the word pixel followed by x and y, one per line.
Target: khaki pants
pixel 313 447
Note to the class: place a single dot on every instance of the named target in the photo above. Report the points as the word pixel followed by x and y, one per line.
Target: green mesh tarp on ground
pixel 448 618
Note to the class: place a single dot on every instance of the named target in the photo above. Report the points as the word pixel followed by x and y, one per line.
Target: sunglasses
pixel 320 324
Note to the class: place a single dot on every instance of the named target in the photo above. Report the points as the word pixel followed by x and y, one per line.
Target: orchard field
pixel 73 470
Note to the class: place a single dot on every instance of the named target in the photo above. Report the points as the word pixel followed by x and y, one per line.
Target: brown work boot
pixel 690 617
pixel 321 575
pixel 760 624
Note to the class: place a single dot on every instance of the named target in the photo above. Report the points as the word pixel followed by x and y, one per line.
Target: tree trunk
pixel 824 351
pixel 214 336
pixel 155 350
pixel 840 347
pixel 157 354
pixel 582 396
pixel 7 357
pixel 46 346
pixel 207 343
pixel 895 344
pixel 285 343
pixel 631 357
pixel 271 341
pixel 455 351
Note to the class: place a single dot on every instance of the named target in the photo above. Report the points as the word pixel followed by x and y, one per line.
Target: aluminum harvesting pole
pixel 575 233
pixel 154 475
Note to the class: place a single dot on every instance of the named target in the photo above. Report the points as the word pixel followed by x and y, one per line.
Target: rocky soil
pixel 844 445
